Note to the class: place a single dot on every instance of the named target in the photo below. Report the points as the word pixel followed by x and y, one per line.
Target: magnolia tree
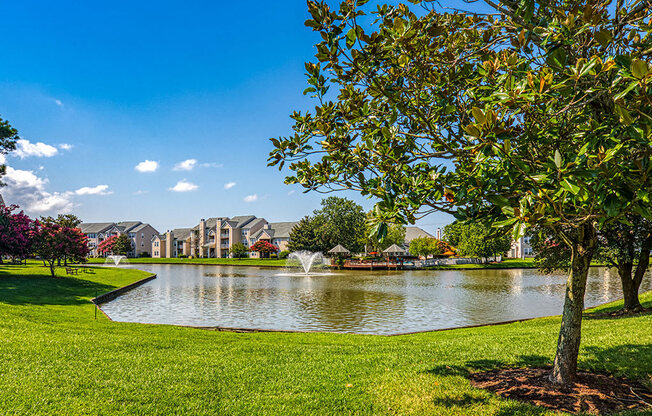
pixel 8 138
pixel 17 233
pixel 535 115
pixel 54 242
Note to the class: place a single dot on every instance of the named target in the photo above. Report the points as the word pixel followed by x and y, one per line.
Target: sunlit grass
pixel 56 358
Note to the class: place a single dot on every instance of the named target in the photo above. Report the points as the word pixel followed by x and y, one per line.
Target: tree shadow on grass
pixel 633 361
pixel 37 289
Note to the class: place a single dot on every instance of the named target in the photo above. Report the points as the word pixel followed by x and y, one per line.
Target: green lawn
pixel 55 358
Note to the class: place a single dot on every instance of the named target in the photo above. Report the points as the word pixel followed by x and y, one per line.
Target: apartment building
pixel 521 248
pixel 140 234
pixel 214 237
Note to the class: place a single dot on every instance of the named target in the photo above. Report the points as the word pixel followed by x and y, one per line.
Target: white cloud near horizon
pixel 96 190
pixel 188 164
pixel 65 146
pixel 25 148
pixel 184 186
pixel 58 102
pixel 147 166
pixel 27 190
pixel 251 198
pixel 229 185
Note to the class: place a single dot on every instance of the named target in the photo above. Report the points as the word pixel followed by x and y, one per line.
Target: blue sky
pixel 96 89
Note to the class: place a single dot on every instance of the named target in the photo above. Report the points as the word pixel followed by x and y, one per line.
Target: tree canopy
pixel 8 138
pixel 476 240
pixel 538 115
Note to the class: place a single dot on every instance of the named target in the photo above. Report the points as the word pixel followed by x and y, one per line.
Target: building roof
pixel 241 221
pixel 415 232
pixel 282 229
pixel 260 233
pixel 182 233
pixel 94 227
pixel 127 226
pixel 142 227
pixel 257 222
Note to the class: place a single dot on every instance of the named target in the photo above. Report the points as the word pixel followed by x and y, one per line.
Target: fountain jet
pixel 116 259
pixel 307 259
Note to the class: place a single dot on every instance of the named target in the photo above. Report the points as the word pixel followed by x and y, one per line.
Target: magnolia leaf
pixel 604 37
pixel 479 115
pixel 557 159
pixel 639 69
pixel 570 186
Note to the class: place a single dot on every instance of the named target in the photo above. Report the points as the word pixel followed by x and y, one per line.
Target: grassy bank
pixel 55 358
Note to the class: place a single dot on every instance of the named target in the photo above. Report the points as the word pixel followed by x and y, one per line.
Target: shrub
pixel 145 254
pixel 284 254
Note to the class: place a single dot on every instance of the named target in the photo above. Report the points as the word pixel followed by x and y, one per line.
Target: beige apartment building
pixel 214 237
pixel 140 234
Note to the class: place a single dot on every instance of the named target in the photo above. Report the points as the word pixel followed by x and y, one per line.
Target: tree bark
pixel 631 284
pixel 568 345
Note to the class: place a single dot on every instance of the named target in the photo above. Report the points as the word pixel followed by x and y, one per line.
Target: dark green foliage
pixel 284 254
pixel 8 138
pixel 339 221
pixel 304 237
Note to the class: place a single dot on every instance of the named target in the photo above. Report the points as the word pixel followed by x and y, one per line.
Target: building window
pixel 142 235
pixel 245 231
pixel 142 244
pixel 155 243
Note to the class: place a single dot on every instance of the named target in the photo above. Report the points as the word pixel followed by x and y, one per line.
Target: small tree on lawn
pixel 425 246
pixel 238 250
pixel 264 248
pixel 17 232
pixel 54 242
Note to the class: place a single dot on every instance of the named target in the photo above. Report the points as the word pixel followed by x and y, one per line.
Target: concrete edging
pixel 103 298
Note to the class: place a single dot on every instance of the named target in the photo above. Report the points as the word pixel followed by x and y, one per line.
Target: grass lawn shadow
pixel 39 289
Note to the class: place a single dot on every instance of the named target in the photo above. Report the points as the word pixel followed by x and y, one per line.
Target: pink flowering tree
pixel 17 233
pixel 264 248
pixel 54 242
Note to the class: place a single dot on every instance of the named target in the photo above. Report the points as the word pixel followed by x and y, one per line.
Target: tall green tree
pixel 340 221
pixel 8 138
pixel 537 115
pixel 626 247
pixel 476 240
pixel 304 237
pixel 239 250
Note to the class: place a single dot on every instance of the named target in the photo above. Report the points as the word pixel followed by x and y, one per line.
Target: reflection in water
pixel 379 302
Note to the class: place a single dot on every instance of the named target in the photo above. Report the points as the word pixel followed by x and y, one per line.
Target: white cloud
pixel 211 165
pixel 186 165
pixel 251 198
pixel 229 185
pixel 140 192
pixel 184 186
pixel 27 190
pixel 96 190
pixel 147 166
pixel 24 148
pixel 58 102
pixel 65 146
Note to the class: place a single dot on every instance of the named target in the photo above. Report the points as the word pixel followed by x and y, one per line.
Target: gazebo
pixel 338 252
pixel 338 249
pixel 394 251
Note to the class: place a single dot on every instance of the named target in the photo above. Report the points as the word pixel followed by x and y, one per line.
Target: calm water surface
pixel 378 302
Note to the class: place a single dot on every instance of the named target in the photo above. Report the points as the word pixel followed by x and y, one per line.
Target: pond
pixel 378 302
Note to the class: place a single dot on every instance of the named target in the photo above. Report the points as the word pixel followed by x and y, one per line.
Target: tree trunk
pixel 568 345
pixel 52 268
pixel 631 284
